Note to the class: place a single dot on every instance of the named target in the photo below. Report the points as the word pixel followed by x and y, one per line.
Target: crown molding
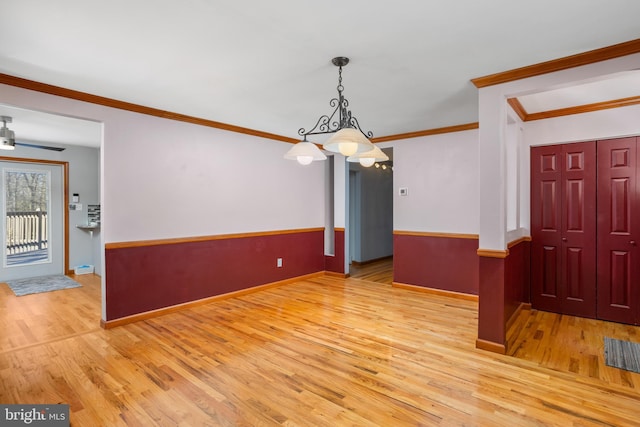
pixel 427 132
pixel 136 108
pixel 518 108
pixel 578 109
pixel 621 49
pixel 585 58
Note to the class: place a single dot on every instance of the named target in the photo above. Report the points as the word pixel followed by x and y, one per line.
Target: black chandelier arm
pixel 341 116
pixel 321 126
pixel 325 126
pixel 354 124
pixel 326 123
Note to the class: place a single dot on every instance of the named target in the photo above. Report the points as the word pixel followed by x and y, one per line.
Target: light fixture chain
pixel 326 124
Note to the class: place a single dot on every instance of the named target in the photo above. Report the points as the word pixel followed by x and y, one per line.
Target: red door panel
pixel 618 287
pixel 545 227
pixel 549 267
pixel 579 229
pixel 563 228
pixel 575 266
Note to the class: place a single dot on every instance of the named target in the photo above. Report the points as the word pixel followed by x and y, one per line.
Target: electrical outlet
pixel 279 262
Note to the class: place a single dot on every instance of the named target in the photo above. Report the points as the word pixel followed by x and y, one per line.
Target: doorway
pixel 33 218
pixel 370 207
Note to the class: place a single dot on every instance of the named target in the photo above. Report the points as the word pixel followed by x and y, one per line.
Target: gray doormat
pixel 34 285
pixel 622 354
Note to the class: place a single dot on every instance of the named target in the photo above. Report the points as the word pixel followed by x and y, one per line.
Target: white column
pixel 492 171
pixel 341 197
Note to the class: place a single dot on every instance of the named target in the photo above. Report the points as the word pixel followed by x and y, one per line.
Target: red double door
pixel 585 203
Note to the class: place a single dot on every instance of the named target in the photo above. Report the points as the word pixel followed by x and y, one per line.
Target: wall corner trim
pixel 178 240
pixel 493 253
pixel 518 241
pixel 491 346
pixel 435 291
pixel 524 306
pixel 335 274
pixel 435 234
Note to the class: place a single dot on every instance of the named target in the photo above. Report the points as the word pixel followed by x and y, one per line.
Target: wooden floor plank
pixel 379 271
pixel 323 352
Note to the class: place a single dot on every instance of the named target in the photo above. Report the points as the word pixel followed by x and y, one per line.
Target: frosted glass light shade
pixel 347 142
pixel 305 152
pixel 368 158
pixel 305 160
pixel 347 148
pixel 367 161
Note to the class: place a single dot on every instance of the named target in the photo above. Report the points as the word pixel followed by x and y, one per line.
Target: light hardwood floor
pixel 379 271
pixel 320 352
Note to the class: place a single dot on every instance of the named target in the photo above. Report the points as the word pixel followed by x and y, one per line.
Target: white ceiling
pixel 266 65
pixel 51 129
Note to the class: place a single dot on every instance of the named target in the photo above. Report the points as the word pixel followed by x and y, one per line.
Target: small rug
pixel 622 354
pixel 34 285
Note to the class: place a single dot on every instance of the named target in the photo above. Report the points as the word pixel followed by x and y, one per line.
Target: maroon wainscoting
pixel 504 287
pixel 517 288
pixel 491 323
pixel 440 262
pixel 335 262
pixel 141 278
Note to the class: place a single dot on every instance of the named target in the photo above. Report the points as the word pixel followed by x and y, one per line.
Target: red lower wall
pixel 142 278
pixel 335 263
pixel 517 278
pixel 504 286
pixel 447 263
pixel 491 306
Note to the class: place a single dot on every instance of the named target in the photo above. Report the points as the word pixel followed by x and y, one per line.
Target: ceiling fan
pixel 8 138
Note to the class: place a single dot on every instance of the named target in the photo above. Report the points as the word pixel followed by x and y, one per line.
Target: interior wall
pixel 436 224
pixel 84 178
pixel 603 124
pixel 440 173
pixel 211 182
pixel 165 179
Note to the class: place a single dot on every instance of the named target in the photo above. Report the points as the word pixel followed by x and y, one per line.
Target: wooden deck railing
pixel 26 232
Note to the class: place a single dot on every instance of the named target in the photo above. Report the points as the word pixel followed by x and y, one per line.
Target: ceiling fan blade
pixel 44 147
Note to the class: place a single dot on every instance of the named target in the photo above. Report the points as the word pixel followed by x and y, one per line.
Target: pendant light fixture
pixel 368 158
pixel 305 152
pixel 347 139
pixel 7 136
